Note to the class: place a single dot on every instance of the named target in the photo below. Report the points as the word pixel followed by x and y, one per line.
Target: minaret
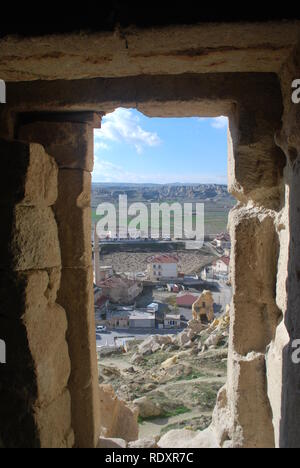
pixel 96 257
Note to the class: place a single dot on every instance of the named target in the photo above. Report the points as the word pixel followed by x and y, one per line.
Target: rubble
pixel 147 408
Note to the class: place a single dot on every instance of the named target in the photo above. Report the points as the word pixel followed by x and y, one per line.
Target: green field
pixel 215 220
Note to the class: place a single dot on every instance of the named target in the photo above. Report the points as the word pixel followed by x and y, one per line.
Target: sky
pixel 133 148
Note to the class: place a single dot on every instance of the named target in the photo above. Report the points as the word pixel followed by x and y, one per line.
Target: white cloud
pixel 123 126
pixel 105 171
pixel 220 122
pixel 217 122
pixel 100 145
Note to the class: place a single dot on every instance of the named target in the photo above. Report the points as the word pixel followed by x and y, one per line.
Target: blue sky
pixel 133 148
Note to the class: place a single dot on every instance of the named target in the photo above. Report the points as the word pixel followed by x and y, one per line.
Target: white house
pixel 221 266
pixel 162 266
pixel 207 273
pixel 223 241
pixel 139 319
pixel 152 308
pixel 172 321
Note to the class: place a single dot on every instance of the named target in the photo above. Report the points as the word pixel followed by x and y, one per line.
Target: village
pixel 162 298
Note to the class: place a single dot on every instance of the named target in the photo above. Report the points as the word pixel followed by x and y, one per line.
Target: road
pixel 108 339
pixel 221 292
pixel 222 295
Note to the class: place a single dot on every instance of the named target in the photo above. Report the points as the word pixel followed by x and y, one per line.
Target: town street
pixel 109 338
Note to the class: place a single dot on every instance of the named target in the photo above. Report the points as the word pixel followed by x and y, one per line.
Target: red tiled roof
pixel 101 301
pixel 186 299
pixel 225 260
pixel 163 258
pixel 115 282
pixel 223 236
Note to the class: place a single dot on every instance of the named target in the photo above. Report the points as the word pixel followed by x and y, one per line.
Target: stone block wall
pixel 69 139
pixel 288 282
pixel 33 382
pixel 45 251
pixel 245 414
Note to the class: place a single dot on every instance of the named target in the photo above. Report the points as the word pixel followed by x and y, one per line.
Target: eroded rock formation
pixel 203 307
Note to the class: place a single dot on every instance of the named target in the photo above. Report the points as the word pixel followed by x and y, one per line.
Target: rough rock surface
pixel 111 443
pixel 153 343
pixel 184 438
pixel 117 419
pixel 147 408
pixel 143 443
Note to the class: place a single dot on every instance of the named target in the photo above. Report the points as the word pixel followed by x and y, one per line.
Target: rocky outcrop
pixel 117 419
pixel 153 343
pixel 143 443
pixel 147 408
pixel 183 438
pixel 111 443
pixel 203 307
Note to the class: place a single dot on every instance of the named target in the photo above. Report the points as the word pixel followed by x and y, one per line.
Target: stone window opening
pixel 103 342
pixel 46 275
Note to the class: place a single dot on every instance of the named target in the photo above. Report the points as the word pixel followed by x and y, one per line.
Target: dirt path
pixel 117 362
pixel 206 380
pixel 153 428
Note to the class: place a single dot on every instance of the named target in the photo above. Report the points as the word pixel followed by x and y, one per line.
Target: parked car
pixel 101 329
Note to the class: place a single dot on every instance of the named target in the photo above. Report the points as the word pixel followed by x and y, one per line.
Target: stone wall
pixel 243 415
pixel 287 412
pixel 69 139
pixel 45 248
pixel 35 401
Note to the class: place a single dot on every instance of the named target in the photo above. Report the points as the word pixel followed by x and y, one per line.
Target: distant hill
pixel 217 201
pixel 214 193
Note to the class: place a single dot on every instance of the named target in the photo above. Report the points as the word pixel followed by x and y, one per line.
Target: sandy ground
pixel 153 428
pixel 195 388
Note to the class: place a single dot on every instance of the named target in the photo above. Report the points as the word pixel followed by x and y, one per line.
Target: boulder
pixel 117 418
pixel 191 333
pixel 129 345
pixel 183 338
pixel 169 362
pixel 136 359
pixel 188 345
pixel 163 339
pixel 150 386
pixel 183 438
pixel 195 326
pixel 147 408
pixel 109 371
pixel 145 348
pixel 143 443
pixel 109 443
pixel 153 343
pixel 155 347
pixel 213 340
